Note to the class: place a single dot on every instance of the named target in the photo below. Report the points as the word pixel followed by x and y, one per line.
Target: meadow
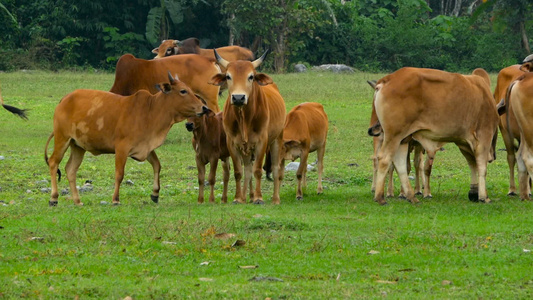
pixel 338 245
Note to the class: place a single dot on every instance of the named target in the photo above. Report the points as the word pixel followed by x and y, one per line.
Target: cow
pixel 505 77
pixel 209 143
pixel 254 115
pixel 436 107
pixel 16 111
pixel 134 74
pixel 305 131
pixel 128 126
pixel 192 46
pixel 377 133
pixel 519 96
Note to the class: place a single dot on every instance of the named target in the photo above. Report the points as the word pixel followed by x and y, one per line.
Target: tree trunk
pixel 525 40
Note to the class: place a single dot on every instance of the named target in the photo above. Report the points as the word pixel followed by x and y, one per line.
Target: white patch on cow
pixel 96 104
pixel 100 123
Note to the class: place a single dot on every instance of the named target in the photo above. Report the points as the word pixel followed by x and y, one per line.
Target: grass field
pixel 339 245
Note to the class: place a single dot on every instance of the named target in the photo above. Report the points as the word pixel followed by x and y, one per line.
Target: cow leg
pixel 73 164
pixel 275 149
pixel 60 147
pixel 248 167
pixel 225 168
pixel 156 166
pixel 237 173
pixel 400 163
pixel 390 187
pixel 384 163
pixel 212 178
pixel 428 166
pixel 377 141
pixel 200 166
pixel 301 172
pixel 481 162
pixel 511 159
pixel 320 158
pixel 419 169
pixel 473 193
pixel 523 170
pixel 120 163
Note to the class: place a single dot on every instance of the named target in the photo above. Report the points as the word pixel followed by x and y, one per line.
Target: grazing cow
pixel 436 107
pixel 306 130
pixel 519 96
pixel 192 46
pixel 505 77
pixel 16 111
pixel 254 115
pixel 129 126
pixel 209 143
pixel 134 74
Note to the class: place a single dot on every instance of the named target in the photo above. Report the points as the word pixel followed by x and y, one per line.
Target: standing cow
pixel 305 131
pixel 254 115
pixel 128 126
pixel 436 107
pixel 209 143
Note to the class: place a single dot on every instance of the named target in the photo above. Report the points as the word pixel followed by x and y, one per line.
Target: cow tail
pixel 46 155
pixel 16 111
pixel 507 118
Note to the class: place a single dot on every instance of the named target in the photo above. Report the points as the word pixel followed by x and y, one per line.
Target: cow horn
pixel 170 78
pixel 176 42
pixel 220 60
pixel 256 63
pixel 529 58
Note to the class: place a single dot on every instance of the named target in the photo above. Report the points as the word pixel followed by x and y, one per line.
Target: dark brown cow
pixel 192 46
pixel 520 98
pixel 129 126
pixel 305 131
pixel 16 111
pixel 209 143
pixel 436 107
pixel 134 74
pixel 254 115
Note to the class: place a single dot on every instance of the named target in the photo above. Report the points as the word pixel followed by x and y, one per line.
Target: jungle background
pixel 370 35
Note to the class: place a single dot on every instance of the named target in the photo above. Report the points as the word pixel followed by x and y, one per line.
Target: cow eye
pixel 228 77
pixel 183 92
pixel 251 77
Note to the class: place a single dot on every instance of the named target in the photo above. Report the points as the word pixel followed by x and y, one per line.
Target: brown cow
pixel 192 46
pixel 16 111
pixel 134 74
pixel 129 126
pixel 436 107
pixel 209 143
pixel 254 115
pixel 505 77
pixel 306 130
pixel 519 97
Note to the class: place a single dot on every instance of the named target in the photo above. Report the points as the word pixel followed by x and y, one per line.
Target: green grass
pixel 444 248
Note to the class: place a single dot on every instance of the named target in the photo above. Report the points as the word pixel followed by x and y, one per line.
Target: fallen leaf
pixel 168 243
pixel 387 281
pixel 446 282
pixel 238 243
pixel 338 276
pixel 249 267
pixel 258 216
pixel 406 270
pixel 372 252
pixel 36 238
pixel 205 279
pixel 224 236
pixel 205 263
pixel 265 278
pixel 128 298
pixel 526 250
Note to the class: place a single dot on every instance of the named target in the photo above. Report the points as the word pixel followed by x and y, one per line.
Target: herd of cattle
pixel 413 109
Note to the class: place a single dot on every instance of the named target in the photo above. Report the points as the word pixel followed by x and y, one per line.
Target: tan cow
pixel 134 74
pixel 192 46
pixel 519 97
pixel 305 131
pixel 254 115
pixel 209 143
pixel 16 111
pixel 436 107
pixel 129 126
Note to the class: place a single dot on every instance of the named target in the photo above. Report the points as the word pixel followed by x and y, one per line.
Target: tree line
pixel 370 35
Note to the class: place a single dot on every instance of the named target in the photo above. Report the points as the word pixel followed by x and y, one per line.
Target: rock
pixel 293 166
pixel 339 68
pixel 64 192
pixel 86 188
pixel 2 158
pixel 300 68
pixel 104 202
pixel 129 182
pixel 41 182
pixel 46 190
pixel 28 192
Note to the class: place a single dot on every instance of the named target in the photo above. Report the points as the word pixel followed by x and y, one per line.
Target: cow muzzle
pixel 238 99
pixel 189 126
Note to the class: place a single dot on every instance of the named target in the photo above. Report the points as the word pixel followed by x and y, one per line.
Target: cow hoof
pixel 414 201
pixel 487 200
pixel 300 198
pixel 473 196
pixel 154 198
pixel 259 202
pixel 381 201
pixel 52 203
pixel 116 203
pixel 428 196
pixel 237 202
pixel 418 194
pixel 402 196
pixel 511 194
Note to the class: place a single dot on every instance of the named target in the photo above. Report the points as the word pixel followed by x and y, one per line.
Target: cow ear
pixel 164 87
pixel 156 50
pixel 263 79
pixel 218 79
pixel 527 67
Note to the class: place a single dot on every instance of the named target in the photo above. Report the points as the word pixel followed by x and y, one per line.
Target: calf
pixel 129 126
pixel 209 143
pixel 306 130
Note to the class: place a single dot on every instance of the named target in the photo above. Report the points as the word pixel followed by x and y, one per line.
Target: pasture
pixel 337 245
